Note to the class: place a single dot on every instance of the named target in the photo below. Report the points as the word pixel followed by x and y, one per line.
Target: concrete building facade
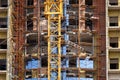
pixel 3 38
pixel 113 38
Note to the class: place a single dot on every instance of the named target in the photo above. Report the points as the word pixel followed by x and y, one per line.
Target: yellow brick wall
pixel 115 33
pixel 3 14
pixel 2 76
pixel 115 55
pixel 2 55
pixel 115 13
pixel 119 2
pixel 3 35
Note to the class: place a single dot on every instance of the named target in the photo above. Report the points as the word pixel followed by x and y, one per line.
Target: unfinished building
pixel 57 40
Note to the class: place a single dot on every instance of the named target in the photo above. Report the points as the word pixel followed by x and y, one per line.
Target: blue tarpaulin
pixel 65 78
pixel 86 64
pixel 32 64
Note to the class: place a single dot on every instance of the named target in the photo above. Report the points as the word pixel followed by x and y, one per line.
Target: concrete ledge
pixel 113 7
pixel 114 49
pixel 3 71
pixel 3 29
pixel 114 71
pixel 3 50
pixel 114 28
pixel 3 8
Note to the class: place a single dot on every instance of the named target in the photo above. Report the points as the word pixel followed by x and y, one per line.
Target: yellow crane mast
pixel 54 14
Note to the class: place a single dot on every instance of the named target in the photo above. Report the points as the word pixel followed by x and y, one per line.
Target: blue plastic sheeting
pixel 63 50
pixel 53 66
pixel 66 37
pixel 64 25
pixel 75 78
pixel 37 79
pixel 64 13
pixel 68 78
pixel 71 78
pixel 54 50
pixel 67 2
pixel 65 8
pixel 86 64
pixel 65 63
pixel 53 75
pixel 32 64
pixel 86 78
pixel 67 19
pixel 63 75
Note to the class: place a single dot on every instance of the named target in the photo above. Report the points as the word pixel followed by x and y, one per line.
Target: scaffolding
pixel 19 39
pixel 58 40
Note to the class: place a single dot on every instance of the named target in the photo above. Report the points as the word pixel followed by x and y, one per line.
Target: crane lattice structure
pixel 54 13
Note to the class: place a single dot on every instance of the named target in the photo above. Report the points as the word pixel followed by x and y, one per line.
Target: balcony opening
pixel 29 2
pixel 114 63
pixel 34 41
pixel 44 62
pixel 72 62
pixel 3 22
pixel 114 42
pixel 2 64
pixel 32 44
pixel 113 21
pixel 113 2
pixel 73 22
pixel 73 1
pixel 28 74
pixel 89 2
pixel 3 44
pixel 88 24
pixel 3 3
pixel 30 9
pixel 89 75
pixel 30 25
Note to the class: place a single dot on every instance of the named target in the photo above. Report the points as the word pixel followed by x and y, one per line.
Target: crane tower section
pixel 54 13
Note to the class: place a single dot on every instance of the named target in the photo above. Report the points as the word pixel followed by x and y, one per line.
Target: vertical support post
pixel 38 27
pixel 80 28
pixel 19 27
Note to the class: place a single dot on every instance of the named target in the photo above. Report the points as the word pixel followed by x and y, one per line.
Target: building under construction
pixel 53 40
